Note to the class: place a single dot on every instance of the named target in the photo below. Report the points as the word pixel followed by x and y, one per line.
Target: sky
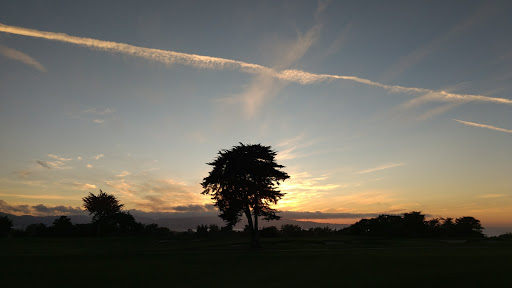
pixel 374 107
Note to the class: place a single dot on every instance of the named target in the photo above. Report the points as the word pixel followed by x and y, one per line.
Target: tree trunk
pixel 249 222
pixel 256 237
pixel 253 227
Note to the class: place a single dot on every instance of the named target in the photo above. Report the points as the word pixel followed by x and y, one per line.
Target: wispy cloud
pixel 479 15
pixel 39 196
pixel 59 158
pixel 58 163
pixel 98 157
pixel 87 186
pixel 296 147
pixel 124 174
pixel 20 56
pixel 265 86
pixel 96 111
pixel 483 126
pixel 208 62
pixel 43 164
pixel 96 115
pixel 380 167
pixel 486 196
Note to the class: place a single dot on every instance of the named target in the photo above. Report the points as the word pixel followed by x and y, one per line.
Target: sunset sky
pixel 373 106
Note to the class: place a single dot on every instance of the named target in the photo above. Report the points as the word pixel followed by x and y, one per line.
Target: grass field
pixel 314 262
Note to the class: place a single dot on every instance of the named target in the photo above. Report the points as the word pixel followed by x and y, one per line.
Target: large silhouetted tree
pixel 104 207
pixel 244 181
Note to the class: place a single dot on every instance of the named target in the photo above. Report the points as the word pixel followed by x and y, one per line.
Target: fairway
pixel 301 263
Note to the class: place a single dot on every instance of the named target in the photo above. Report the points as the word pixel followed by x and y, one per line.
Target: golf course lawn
pixel 90 262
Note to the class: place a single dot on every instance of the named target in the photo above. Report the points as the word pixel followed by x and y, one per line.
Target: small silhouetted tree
pixel 62 226
pixel 244 181
pixel 125 223
pixel 270 231
pixel 213 228
pixel 104 207
pixel 5 225
pixel 414 224
pixel 448 227
pixel 291 230
pixel 434 227
pixel 36 230
pixel 202 230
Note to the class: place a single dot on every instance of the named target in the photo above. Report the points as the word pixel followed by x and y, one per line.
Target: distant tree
pixel 36 230
pixel 448 226
pixel 125 223
pixel 433 227
pixel 104 207
pixel 291 230
pixel 414 224
pixel 154 230
pixel 5 225
pixel 202 230
pixel 62 226
pixel 213 228
pixel 270 231
pixel 506 236
pixel 468 226
pixel 244 180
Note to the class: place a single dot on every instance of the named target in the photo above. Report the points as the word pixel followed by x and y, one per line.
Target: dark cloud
pixel 43 164
pixel 42 209
pixel 14 209
pixel 321 215
pixel 183 214
pixel 39 210
pixel 193 208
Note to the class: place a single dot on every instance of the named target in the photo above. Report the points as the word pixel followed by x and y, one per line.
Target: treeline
pixel 120 224
pixel 412 224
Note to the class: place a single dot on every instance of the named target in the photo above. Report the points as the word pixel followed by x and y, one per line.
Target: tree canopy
pixel 244 180
pixel 103 205
pixel 105 208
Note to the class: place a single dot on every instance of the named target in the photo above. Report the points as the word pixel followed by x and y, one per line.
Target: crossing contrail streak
pixel 484 126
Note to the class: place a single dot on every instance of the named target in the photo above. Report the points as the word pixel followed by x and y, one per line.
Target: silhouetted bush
pixel 37 230
pixel 506 236
pixel 62 226
pixel 291 230
pixel 413 224
pixel 270 231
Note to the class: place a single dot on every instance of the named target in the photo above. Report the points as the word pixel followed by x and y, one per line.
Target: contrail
pixel 483 126
pixel 381 167
pixel 22 57
pixel 207 62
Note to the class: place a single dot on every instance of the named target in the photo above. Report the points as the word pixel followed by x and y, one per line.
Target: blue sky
pixel 375 107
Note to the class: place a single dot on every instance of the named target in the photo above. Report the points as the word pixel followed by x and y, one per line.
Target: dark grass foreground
pixel 347 262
